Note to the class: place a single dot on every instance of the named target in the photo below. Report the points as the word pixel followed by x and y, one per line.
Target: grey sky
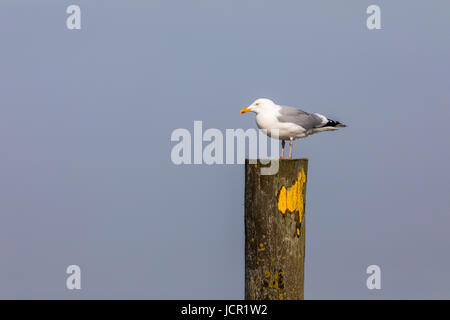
pixel 85 124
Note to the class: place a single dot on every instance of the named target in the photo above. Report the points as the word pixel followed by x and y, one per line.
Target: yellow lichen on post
pixel 292 196
pixel 292 199
pixel 301 183
pixel 282 200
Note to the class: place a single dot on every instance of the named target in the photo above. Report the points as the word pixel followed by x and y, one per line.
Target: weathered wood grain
pixel 275 231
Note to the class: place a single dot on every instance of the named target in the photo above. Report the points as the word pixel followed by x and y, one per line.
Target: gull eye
pixel 257 104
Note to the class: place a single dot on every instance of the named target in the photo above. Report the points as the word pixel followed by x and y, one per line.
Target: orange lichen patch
pixel 292 199
pixel 298 232
pixel 267 274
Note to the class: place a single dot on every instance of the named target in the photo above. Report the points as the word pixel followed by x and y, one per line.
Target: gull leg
pixel 291 143
pixel 282 149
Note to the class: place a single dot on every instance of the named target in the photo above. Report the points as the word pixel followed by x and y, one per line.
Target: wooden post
pixel 275 231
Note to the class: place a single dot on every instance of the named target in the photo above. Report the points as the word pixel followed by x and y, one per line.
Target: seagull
pixel 288 123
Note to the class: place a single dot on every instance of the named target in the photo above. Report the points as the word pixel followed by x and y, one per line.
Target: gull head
pixel 259 105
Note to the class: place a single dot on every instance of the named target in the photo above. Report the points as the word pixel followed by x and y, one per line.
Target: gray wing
pixel 304 119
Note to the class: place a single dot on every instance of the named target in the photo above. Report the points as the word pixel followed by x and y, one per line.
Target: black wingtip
pixel 332 123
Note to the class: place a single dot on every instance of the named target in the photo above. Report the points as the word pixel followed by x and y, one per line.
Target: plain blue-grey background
pixel 86 117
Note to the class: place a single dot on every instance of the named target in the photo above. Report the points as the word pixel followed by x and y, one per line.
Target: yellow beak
pixel 247 109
